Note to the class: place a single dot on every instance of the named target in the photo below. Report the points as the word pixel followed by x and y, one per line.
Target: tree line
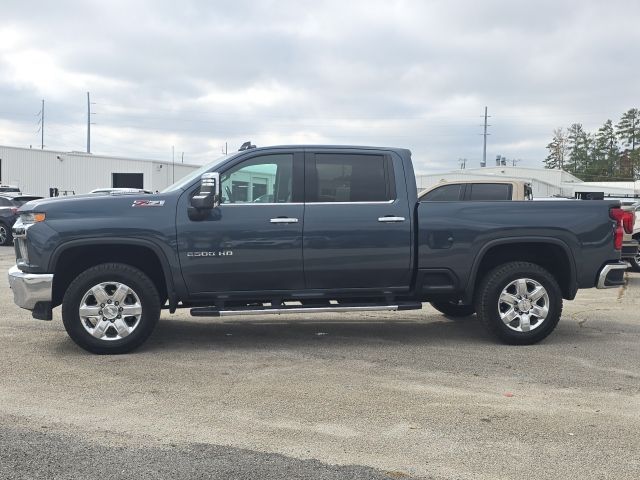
pixel 609 154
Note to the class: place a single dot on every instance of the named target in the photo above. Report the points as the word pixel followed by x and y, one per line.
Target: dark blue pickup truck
pixel 302 229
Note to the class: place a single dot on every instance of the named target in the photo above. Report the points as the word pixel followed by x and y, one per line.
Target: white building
pixel 545 182
pixel 36 171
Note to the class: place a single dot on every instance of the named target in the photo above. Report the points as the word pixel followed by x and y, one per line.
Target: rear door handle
pixel 390 219
pixel 284 220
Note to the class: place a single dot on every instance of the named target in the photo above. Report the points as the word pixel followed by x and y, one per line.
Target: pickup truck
pixel 342 231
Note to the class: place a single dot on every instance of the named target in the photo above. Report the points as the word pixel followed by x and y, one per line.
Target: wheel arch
pixel 550 253
pixel 72 257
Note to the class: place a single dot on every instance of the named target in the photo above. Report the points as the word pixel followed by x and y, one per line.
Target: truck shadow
pixel 177 335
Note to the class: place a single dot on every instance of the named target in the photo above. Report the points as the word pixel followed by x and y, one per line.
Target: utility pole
pixel 42 126
pixel 88 124
pixel 484 148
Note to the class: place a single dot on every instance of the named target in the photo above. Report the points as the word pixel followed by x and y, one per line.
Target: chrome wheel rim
pixel 523 305
pixel 110 311
pixel 3 235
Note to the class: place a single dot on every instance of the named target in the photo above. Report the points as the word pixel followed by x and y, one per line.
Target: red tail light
pixel 624 222
pixel 628 220
pixel 14 210
pixel 623 217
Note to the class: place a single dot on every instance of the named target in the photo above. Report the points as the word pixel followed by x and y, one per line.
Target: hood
pixel 92 204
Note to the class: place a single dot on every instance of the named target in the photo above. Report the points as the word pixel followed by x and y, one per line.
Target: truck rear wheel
pixel 519 302
pixel 110 308
pixel 454 309
pixel 635 262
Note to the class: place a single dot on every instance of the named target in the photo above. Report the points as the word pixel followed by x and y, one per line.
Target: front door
pixel 253 240
pixel 357 222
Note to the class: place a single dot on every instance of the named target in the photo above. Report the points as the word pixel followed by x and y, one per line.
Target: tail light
pixel 14 210
pixel 624 223
pixel 628 220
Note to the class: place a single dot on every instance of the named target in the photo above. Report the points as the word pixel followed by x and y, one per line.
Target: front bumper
pixel 31 291
pixel 612 275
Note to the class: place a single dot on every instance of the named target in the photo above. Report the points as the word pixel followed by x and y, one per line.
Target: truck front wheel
pixel 110 308
pixel 519 302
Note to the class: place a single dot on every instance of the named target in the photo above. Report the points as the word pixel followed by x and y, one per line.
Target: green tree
pixel 557 150
pixel 605 156
pixel 578 147
pixel 628 131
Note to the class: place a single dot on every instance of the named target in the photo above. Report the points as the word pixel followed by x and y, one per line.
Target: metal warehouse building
pixel 36 171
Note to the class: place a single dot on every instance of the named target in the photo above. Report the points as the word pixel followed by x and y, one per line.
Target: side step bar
pixel 215 312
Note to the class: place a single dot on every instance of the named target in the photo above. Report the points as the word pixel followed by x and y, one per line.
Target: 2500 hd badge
pixel 221 253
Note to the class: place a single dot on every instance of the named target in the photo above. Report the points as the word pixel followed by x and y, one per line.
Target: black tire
pixel 454 309
pixel 138 282
pixel 6 236
pixel 635 263
pixel 488 295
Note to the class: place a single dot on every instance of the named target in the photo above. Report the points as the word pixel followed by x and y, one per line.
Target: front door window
pixel 265 179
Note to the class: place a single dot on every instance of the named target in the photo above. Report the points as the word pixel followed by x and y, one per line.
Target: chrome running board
pixel 215 312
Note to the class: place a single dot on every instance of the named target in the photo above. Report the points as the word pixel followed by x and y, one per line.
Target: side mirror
pixel 209 195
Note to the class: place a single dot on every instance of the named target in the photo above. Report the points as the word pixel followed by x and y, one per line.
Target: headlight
pixel 30 218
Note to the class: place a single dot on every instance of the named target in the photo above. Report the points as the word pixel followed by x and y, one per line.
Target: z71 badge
pixel 148 203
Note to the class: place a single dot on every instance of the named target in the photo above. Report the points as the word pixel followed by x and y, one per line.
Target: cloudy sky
pixel 417 74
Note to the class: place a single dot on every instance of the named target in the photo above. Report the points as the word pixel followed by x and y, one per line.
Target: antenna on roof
pixel 246 146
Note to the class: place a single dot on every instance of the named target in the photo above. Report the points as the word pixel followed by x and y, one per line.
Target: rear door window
pixel 350 178
pixel 445 193
pixel 489 191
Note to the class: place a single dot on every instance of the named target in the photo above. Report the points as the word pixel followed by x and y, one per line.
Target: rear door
pixel 357 221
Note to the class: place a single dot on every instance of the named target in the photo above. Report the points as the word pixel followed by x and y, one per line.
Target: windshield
pixel 185 181
pixel 19 201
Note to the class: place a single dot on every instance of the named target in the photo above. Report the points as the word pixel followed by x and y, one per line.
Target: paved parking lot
pixel 373 395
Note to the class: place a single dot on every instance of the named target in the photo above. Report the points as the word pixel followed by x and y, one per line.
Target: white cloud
pixel 418 74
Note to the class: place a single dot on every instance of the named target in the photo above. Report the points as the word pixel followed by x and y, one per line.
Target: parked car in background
pixel 9 205
pixel 119 191
pixel 478 190
pixel 631 246
pixel 9 188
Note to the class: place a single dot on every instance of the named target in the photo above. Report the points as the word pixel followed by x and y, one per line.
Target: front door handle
pixel 284 220
pixel 391 219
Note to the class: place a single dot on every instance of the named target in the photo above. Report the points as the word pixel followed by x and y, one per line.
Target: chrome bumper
pixel 612 275
pixel 30 288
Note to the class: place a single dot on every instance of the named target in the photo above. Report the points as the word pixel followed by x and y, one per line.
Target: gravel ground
pixel 368 395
